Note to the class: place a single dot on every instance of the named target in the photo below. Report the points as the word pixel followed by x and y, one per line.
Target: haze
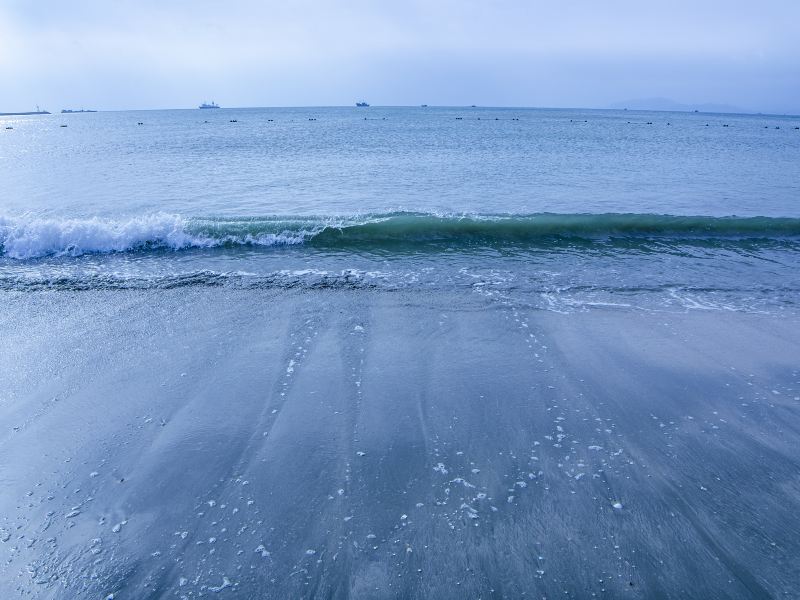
pixel 155 54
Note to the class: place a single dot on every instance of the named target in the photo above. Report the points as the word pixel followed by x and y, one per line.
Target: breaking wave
pixel 29 237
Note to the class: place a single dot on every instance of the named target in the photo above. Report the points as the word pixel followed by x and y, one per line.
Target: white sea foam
pixel 32 237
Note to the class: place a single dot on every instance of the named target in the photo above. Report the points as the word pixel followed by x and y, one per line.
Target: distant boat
pixel 424 105
pixel 32 112
pixel 206 105
pixel 69 110
pixel 362 104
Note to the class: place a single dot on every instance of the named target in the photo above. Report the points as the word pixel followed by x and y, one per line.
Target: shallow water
pixel 364 443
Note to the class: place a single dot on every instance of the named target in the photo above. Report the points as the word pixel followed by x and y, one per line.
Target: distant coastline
pixel 18 114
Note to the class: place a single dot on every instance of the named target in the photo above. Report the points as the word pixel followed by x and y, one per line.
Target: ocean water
pixel 557 204
pixel 399 353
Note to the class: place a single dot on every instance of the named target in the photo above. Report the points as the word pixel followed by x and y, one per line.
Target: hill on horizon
pixel 668 104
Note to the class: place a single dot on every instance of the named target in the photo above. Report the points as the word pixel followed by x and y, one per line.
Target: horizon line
pixel 454 106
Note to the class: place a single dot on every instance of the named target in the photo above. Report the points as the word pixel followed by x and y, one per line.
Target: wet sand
pixel 208 442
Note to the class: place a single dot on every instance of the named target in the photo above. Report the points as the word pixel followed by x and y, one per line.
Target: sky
pixel 129 54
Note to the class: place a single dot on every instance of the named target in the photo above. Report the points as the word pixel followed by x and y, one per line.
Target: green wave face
pixel 406 231
pixel 533 228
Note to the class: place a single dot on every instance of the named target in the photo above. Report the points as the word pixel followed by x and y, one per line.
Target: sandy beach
pixel 287 443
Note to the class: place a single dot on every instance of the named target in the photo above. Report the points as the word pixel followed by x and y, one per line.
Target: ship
pixel 70 111
pixel 362 104
pixel 207 105
pixel 38 111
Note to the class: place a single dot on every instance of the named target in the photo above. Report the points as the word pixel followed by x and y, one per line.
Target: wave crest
pixel 24 238
pixel 33 237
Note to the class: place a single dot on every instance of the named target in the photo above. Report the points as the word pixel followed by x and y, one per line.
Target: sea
pixel 399 352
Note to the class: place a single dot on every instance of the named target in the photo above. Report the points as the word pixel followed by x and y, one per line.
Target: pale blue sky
pixel 122 54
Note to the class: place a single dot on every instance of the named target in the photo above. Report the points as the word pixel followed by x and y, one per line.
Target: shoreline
pixel 372 444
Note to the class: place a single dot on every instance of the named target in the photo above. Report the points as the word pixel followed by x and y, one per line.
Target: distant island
pixel 82 110
pixel 667 104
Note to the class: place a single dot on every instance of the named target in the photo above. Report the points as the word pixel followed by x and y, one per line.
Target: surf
pixel 30 237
